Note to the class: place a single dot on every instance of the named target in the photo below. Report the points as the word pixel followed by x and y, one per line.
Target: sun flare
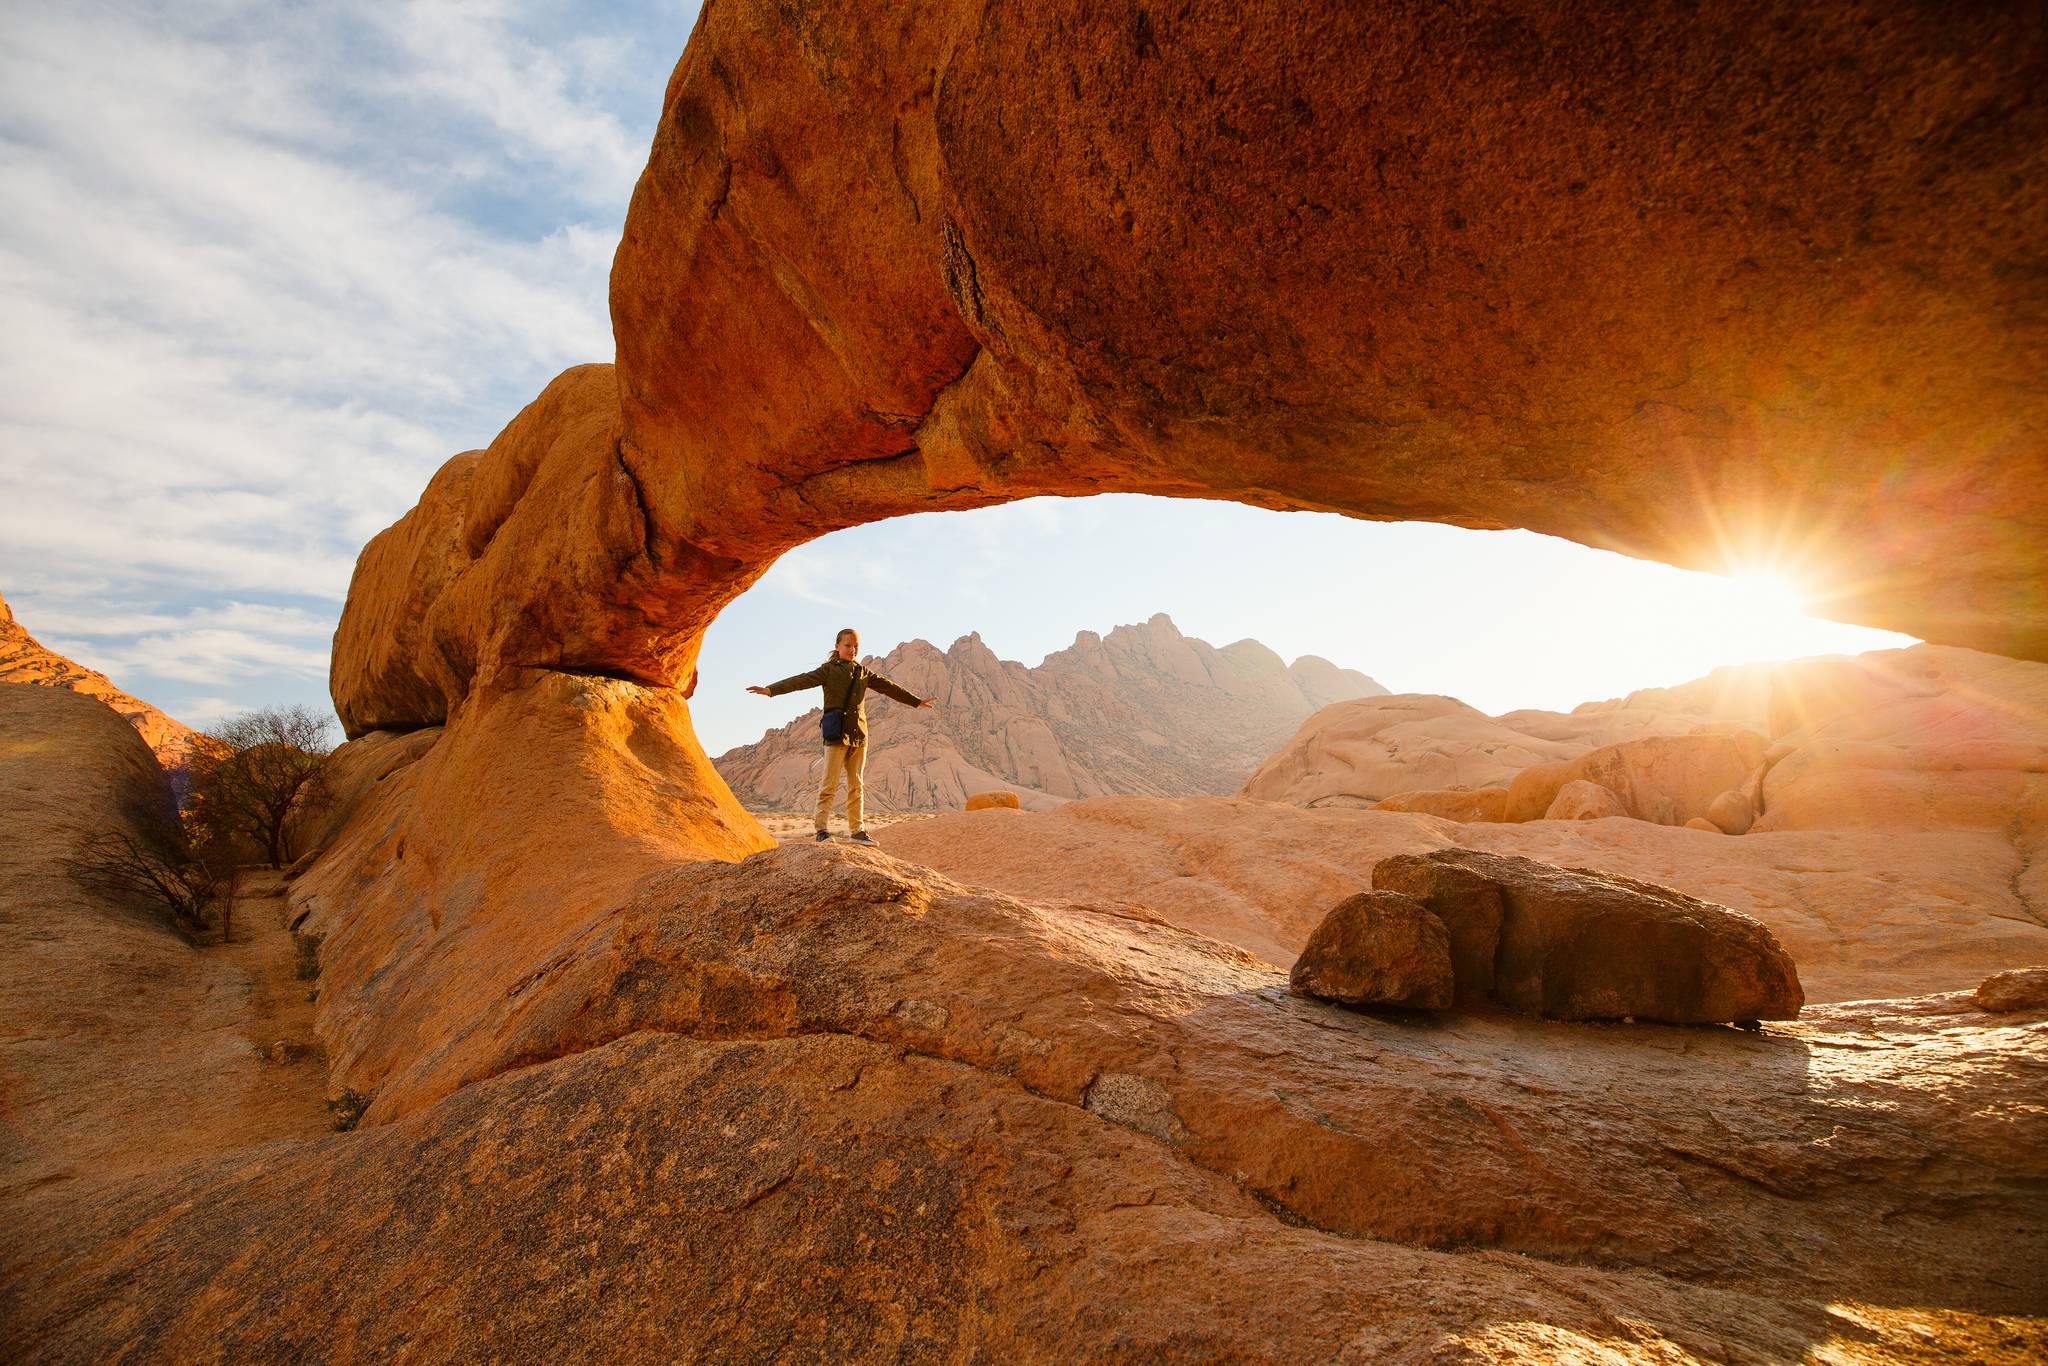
pixel 1767 593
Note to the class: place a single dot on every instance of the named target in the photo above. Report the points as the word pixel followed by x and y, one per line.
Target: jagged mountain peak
pixel 1144 709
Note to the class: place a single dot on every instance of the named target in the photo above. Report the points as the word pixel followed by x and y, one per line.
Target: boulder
pixel 2020 989
pixel 991 801
pixel 1377 948
pixel 1451 804
pixel 1583 800
pixel 1916 739
pixel 1465 900
pixel 1703 824
pixel 1733 812
pixel 1666 779
pixel 1576 944
pixel 1533 790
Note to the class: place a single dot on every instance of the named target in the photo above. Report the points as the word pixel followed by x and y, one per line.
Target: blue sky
pixel 265 266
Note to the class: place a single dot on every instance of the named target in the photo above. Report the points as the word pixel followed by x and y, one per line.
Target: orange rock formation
pixel 23 659
pixel 1673 279
pixel 1684 283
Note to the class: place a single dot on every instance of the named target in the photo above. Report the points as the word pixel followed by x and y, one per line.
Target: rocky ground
pixel 645 1088
pixel 1866 913
pixel 827 1104
pixel 796 826
pixel 830 1103
pixel 127 1048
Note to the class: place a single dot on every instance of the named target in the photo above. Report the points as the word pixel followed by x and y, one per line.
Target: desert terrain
pixel 640 1081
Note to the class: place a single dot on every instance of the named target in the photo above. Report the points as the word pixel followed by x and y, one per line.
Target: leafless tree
pixel 262 767
pixel 147 861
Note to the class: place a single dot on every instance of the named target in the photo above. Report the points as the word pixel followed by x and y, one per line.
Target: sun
pixel 1766 593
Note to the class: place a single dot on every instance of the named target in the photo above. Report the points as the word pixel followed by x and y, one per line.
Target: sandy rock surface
pixel 1452 804
pixel 125 1048
pixel 1863 913
pixel 2019 989
pixel 598 781
pixel 929 1115
pixel 900 1206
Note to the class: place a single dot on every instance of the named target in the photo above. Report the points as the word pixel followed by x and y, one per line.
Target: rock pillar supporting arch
pixel 1691 284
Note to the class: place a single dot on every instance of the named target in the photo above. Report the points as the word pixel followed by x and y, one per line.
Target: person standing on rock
pixel 844 726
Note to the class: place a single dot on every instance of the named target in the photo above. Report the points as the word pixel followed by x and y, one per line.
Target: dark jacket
pixel 846 685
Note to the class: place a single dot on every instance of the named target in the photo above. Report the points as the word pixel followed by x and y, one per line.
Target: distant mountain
pixel 24 659
pixel 1143 710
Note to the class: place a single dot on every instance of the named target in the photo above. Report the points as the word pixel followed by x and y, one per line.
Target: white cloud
pixel 207 656
pixel 265 268
pixel 201 712
pixel 117 619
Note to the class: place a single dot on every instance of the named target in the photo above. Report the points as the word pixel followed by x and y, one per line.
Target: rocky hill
pixel 1143 709
pixel 24 659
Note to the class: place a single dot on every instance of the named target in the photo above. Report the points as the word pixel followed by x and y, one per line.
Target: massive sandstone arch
pixel 1654 279
pixel 1685 283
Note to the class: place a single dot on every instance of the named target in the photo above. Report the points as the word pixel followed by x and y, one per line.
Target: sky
pixel 264 266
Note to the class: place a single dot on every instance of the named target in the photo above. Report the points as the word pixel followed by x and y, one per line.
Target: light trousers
pixel 847 760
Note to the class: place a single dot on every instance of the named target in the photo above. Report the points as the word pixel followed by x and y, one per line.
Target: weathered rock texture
pixel 2020 989
pixel 1576 944
pixel 1378 948
pixel 1865 913
pixel 1438 754
pixel 121 1046
pixel 928 1116
pixel 24 659
pixel 1684 281
pixel 1143 709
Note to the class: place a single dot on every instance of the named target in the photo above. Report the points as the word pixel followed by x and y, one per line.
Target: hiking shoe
pixel 860 837
pixel 824 836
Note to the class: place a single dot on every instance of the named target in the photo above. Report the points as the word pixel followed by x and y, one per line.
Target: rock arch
pixel 1669 282
pixel 1676 281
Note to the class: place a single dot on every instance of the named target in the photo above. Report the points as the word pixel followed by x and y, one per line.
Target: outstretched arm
pixel 903 695
pixel 794 683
